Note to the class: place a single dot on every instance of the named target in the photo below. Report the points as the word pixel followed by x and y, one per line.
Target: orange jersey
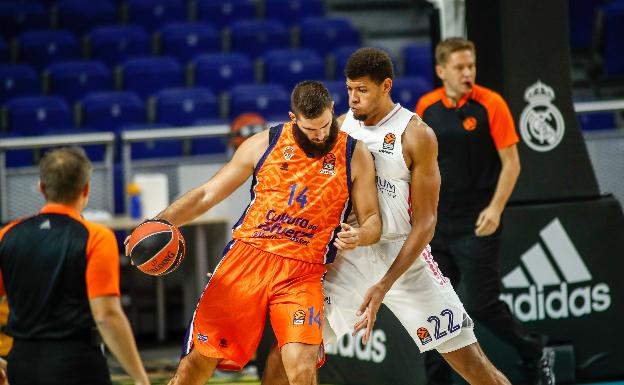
pixel 298 202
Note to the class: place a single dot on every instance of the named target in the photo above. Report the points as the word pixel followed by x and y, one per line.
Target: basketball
pixel 156 247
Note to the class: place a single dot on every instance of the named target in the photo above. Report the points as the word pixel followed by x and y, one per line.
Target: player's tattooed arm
pixel 221 185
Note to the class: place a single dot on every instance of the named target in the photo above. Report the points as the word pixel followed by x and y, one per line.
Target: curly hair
pixel 372 62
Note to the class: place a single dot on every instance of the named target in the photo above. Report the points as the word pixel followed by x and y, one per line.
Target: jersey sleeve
pixel 102 275
pixel 502 127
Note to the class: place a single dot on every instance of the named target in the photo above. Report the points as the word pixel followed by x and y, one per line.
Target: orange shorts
pixel 230 316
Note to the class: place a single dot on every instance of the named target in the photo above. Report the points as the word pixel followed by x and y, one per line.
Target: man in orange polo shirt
pixel 61 276
pixel 479 166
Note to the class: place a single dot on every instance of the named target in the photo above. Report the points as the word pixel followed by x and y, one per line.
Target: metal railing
pixel 8 144
pixel 170 133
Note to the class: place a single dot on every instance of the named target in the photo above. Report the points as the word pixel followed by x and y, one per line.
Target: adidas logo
pixel 561 283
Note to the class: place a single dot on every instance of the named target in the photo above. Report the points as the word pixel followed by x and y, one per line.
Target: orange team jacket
pixel 298 202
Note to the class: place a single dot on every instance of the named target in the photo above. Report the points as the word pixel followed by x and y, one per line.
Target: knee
pixel 194 366
pixel 300 369
pixel 302 373
pixel 274 359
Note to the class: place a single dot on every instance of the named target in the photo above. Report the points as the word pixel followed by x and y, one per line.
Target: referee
pixel 479 165
pixel 61 276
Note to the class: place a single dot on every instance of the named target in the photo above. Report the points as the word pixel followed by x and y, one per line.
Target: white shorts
pixel 422 299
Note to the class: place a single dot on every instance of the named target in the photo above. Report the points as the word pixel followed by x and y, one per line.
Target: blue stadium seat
pixel 603 120
pixel 147 75
pixel 613 43
pixel 255 37
pixel 114 44
pixel 17 80
pixel 288 67
pixel 4 50
pixel 341 55
pixel 17 16
pixel 151 14
pixel 325 34
pixel 272 101
pixel 222 13
pixel 418 61
pixel 406 90
pixel 75 79
pixel 154 148
pixel 222 71
pixel 17 158
pixel 80 16
pixel 293 11
pixel 39 48
pixel 338 91
pixel 186 40
pixel 184 106
pixel 35 114
pixel 111 110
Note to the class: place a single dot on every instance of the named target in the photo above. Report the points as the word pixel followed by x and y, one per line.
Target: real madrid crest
pixel 541 123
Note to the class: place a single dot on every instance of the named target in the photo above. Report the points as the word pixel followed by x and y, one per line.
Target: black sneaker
pixel 542 371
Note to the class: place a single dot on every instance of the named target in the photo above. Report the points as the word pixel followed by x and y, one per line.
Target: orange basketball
pixel 156 247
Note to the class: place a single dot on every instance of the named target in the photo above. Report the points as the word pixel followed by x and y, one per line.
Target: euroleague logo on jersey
pixel 470 123
pixel 423 335
pixel 289 152
pixel 388 142
pixel 329 164
pixel 299 317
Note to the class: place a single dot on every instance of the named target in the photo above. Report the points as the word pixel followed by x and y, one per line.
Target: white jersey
pixel 393 176
pixel 422 299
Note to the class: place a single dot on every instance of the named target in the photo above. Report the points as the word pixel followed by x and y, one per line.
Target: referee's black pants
pixel 57 362
pixel 474 262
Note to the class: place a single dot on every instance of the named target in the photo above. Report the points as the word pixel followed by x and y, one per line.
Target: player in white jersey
pixel 407 278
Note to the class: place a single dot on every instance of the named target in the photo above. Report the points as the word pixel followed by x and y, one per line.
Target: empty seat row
pixel 112 44
pixel 176 106
pixel 80 16
pixel 219 72
pixel 110 111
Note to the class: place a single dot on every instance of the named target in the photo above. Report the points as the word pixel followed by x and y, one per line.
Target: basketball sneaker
pixel 542 370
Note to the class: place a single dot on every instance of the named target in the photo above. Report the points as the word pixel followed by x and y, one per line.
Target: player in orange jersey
pixel 305 174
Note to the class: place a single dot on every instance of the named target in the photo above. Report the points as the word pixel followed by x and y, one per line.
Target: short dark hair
pixel 446 47
pixel 64 173
pixel 372 62
pixel 309 99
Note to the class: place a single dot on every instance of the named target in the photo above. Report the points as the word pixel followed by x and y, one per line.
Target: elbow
pixel 378 230
pixel 103 320
pixel 426 228
pixel 430 228
pixel 106 313
pixel 376 236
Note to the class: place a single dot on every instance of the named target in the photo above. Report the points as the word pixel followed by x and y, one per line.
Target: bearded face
pixel 317 145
